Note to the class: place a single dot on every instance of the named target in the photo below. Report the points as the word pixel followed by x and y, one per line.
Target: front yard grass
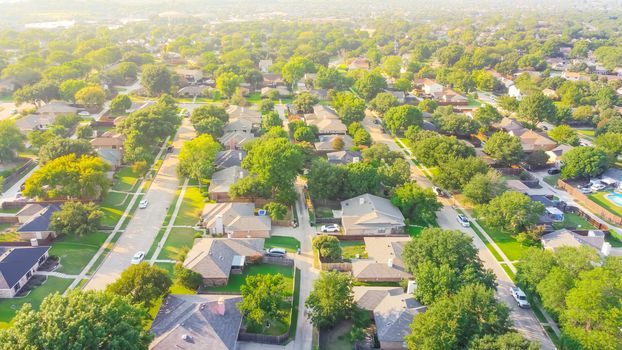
pixel 191 207
pixel 352 249
pixel 551 180
pixel 113 206
pixel 8 307
pixel 75 252
pixel 236 281
pixel 126 179
pixel 178 239
pixel 506 242
pixel 290 244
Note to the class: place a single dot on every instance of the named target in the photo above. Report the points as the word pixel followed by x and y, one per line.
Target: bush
pixel 187 277
pixel 328 247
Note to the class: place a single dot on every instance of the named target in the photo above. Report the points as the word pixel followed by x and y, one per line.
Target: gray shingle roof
pixel 197 322
pixel 223 179
pixel 229 158
pixel 213 257
pixel 15 262
pixel 41 221
pixel 368 210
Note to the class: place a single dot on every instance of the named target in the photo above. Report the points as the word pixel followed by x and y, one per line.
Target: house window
pixel 17 287
pixel 382 230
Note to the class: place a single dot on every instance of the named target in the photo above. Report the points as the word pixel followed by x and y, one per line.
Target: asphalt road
pixel 524 320
pixel 143 228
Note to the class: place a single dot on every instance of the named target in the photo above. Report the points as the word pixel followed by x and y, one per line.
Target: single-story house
pixel 358 63
pixel 431 87
pixel 531 140
pixel 550 93
pixel 574 76
pixel 39 224
pixel 235 140
pixel 509 125
pixel 17 265
pixel 326 143
pixel 28 212
pixel 242 125
pixel 264 65
pixel 229 158
pixel 197 322
pixel 235 220
pixel 191 75
pixel 280 89
pixel 565 238
pixel 344 157
pixel 329 126
pixel 516 186
pixel 114 157
pixel 222 181
pixel 393 312
pixel 555 155
pixel 56 108
pixel 450 97
pixel 216 258
pixel 238 112
pixel 385 261
pixel 115 141
pixel 193 90
pixel 33 122
pixel 272 79
pixel 370 215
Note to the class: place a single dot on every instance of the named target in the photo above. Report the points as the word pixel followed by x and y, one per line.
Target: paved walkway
pixel 56 274
pixel 524 320
pixel 145 223
pixel 11 192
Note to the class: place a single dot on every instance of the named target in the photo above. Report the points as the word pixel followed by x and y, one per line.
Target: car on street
pixel 463 220
pixel 553 171
pixel 84 114
pixel 276 252
pixel 330 228
pixel 138 257
pixel 439 191
pixel 585 190
pixel 143 204
pixel 520 297
pixel 13 111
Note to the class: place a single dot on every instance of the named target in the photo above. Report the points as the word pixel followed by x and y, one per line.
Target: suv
pixel 138 257
pixel 463 220
pixel 439 192
pixel 520 297
pixel 553 171
pixel 276 252
pixel 330 228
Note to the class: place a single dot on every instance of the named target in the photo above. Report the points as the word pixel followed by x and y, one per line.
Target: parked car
pixel 585 190
pixel 13 111
pixel 84 114
pixel 138 257
pixel 463 220
pixel 520 297
pixel 143 204
pixel 330 228
pixel 597 186
pixel 439 191
pixel 276 252
pixel 553 171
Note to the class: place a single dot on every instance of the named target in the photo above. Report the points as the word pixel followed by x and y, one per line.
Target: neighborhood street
pixel 145 223
pixel 525 321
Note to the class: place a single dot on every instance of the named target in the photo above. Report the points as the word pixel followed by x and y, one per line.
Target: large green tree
pixel 456 173
pixel 584 162
pixel 11 141
pixel 535 108
pixel 275 161
pixel 142 284
pixel 439 149
pixel 512 212
pixel 397 119
pixel 262 297
pixel 418 204
pixel 331 299
pixel 197 156
pixel 369 84
pixel 156 79
pixel 76 218
pixel 304 102
pixel 325 181
pixel 58 147
pixel 504 148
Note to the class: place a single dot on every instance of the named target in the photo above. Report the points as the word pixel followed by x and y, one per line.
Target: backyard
pixel 353 249
pixel 75 251
pixel 601 200
pixel 236 281
pixel 8 307
pixel 290 244
pixel 573 221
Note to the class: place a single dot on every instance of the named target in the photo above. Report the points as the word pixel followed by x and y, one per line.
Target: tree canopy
pixel 142 284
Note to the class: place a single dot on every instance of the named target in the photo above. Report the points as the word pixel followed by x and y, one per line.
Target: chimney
pixel 219 225
pixel 606 249
pixel 390 262
pixel 220 307
pixel 34 242
pixel 412 286
pixel 362 200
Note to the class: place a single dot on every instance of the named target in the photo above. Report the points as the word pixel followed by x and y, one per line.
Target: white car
pixel 520 297
pixel 143 204
pixel 330 228
pixel 439 191
pixel 463 220
pixel 585 190
pixel 84 114
pixel 598 186
pixel 276 252
pixel 138 257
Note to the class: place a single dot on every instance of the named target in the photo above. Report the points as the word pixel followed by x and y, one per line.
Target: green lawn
pixel 350 249
pixel 600 199
pixel 75 252
pixel 254 98
pixel 10 210
pixel 589 133
pixel 551 180
pixel 290 244
pixel 414 231
pixel 5 226
pixel 236 281
pixel 8 307
pixel 191 207
pixel 506 242
pixel 113 207
pixel 573 221
pixel 179 238
pixel 487 243
pixel 126 179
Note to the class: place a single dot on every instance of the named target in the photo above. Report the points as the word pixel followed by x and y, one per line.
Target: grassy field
pixel 600 199
pixel 350 249
pixel 75 252
pixel 236 281
pixel 8 307
pixel 178 239
pixel 290 244
pixel 506 242
pixel 572 221
pixel 126 180
pixel 113 207
pixel 414 231
pixel 191 207
pixel 551 180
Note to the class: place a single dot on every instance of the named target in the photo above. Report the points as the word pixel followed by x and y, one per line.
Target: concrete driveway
pixel 524 320
pixel 143 228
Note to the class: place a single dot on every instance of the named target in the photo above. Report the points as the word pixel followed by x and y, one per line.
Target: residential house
pixel 239 112
pixel 38 226
pixel 514 91
pixel 113 157
pixel 399 95
pixel 431 87
pixel 197 322
pixel 280 89
pixel 28 212
pixel 393 311
pixel 552 209
pixel 108 141
pixel 216 258
pixel 369 215
pixel 235 140
pixel 450 97
pixel 264 65
pixel 240 125
pixel 229 158
pixel 555 155
pixel 222 181
pixel 193 91
pixel 532 140
pixel 326 120
pixel 344 157
pixel 272 79
pixel 509 125
pixel 550 93
pixel 358 63
pixel 34 122
pixel 190 75
pixel 384 263
pixel 326 144
pixel 235 220
pixel 17 266
pixel 574 76
pixel 54 109
pixel 595 239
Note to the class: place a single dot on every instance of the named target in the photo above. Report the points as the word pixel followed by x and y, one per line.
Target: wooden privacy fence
pixel 591 205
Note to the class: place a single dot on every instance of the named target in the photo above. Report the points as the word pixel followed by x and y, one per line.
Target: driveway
pixel 524 320
pixel 143 228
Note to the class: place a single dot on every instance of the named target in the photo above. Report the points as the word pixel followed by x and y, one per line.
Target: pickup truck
pixel 520 297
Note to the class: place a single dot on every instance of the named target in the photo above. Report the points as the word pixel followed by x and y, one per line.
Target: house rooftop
pixel 368 209
pixel 214 257
pixel 223 179
pixel 15 262
pixel 235 216
pixel 229 158
pixel 41 221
